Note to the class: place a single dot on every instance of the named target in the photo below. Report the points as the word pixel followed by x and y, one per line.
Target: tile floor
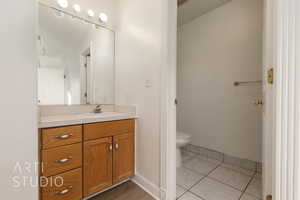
pixel 201 178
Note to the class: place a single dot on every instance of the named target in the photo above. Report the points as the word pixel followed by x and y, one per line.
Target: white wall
pixel 18 77
pixel 138 63
pixel 102 74
pixel 215 50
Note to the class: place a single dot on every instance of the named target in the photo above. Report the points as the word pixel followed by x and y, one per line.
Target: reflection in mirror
pixel 76 60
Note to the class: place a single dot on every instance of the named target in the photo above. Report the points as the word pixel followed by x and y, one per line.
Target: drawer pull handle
pixel 65 191
pixel 64 160
pixel 117 146
pixel 63 137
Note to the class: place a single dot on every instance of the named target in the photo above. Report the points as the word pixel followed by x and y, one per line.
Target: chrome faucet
pixel 98 109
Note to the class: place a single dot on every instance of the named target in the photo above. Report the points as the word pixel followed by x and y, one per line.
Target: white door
pixel 268 111
pixel 83 80
pixel 286 172
pixel 88 80
pixel 282 110
pixel 51 87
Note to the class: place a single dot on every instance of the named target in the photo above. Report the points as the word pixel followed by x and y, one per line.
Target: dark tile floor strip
pixel 125 191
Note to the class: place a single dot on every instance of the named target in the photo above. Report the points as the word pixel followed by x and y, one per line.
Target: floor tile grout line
pixel 221 165
pixel 194 171
pixel 244 191
pixel 216 180
pixel 206 155
pixel 201 198
pixel 188 159
pixel 206 176
pixel 223 162
pixel 239 171
pixel 186 190
pixel 212 178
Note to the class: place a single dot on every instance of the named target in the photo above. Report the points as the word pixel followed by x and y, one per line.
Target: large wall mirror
pixel 76 60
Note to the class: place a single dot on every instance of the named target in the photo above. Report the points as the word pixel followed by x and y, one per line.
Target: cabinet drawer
pixel 106 129
pixel 66 186
pixel 54 137
pixel 61 159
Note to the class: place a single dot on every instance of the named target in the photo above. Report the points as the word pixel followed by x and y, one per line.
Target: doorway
pixel 169 140
pixel 219 90
pixel 85 74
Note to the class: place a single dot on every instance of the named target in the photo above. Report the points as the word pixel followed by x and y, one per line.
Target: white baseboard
pixel 147 185
pixel 163 194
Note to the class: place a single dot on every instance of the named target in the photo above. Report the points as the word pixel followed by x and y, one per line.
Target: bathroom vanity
pixel 84 150
pixel 80 160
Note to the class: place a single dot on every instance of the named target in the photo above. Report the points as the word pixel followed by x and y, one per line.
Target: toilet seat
pixel 182 139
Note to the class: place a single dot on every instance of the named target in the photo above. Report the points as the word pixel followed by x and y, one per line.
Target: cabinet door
pixel 97 165
pixel 123 157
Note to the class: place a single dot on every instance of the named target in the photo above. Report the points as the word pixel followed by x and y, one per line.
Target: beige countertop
pixel 84 118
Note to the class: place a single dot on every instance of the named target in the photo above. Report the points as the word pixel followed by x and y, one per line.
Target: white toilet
pixel 181 140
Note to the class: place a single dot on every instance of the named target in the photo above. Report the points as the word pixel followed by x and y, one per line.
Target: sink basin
pixel 97 115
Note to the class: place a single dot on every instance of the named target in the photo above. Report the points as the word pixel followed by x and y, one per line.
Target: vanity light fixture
pixel 58 14
pixel 91 13
pixel 63 3
pixel 103 18
pixel 77 8
pixel 96 26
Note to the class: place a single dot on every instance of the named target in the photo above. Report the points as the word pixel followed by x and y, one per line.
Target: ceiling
pixel 191 9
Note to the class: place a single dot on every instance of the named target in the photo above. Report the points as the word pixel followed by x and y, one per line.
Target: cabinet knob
pixel 65 191
pixel 110 147
pixel 117 146
pixel 62 137
pixel 64 160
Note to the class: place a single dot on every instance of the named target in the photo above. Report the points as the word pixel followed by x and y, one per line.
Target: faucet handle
pixel 98 109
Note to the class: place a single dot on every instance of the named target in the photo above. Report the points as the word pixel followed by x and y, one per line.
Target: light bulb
pixel 63 3
pixel 77 8
pixel 91 13
pixel 103 17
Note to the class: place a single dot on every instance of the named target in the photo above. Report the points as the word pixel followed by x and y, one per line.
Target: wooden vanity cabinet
pixel 89 157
